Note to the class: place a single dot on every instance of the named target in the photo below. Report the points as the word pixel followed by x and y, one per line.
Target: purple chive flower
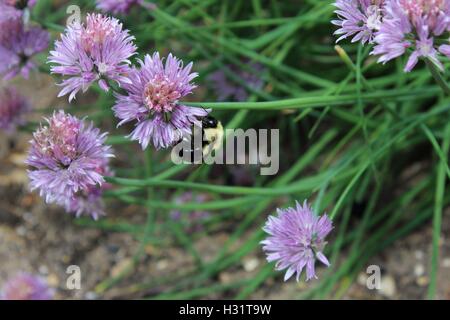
pixel 17 49
pixel 98 51
pixel 68 160
pixel 153 102
pixel 25 286
pixel 359 19
pixel 193 218
pixel 13 108
pixel 118 7
pixel 296 239
pixel 412 25
pixel 226 88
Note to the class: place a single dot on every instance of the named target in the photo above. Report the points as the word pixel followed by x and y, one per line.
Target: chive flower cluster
pixel 68 160
pixel 296 240
pixel 416 28
pixel 96 52
pixel 100 51
pixel 152 101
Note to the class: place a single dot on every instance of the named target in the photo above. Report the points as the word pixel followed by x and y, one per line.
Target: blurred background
pixel 378 169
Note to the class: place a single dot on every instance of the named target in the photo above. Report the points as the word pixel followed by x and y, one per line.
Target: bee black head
pixel 209 122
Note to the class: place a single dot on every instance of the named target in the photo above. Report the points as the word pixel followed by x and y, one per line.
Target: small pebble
pixel 250 264
pixel 446 263
pixel 388 286
pixel 162 264
pixel 419 270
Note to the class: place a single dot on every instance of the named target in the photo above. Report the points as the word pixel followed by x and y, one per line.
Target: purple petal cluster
pixel 96 52
pixel 68 159
pixel 25 286
pixel 13 108
pixel 296 239
pixel 411 26
pixel 88 201
pixel 19 42
pixel 227 89
pixel 152 101
pixel 359 19
pixel 397 28
pixel 117 7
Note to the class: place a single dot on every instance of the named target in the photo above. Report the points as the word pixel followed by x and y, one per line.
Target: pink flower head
pixel 98 51
pixel 412 24
pixel 430 13
pixel 68 159
pixel 152 101
pixel 296 239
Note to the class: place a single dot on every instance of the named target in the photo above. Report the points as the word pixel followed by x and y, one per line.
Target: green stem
pixel 150 211
pixel 321 101
pixel 305 185
pixel 437 75
pixel 437 215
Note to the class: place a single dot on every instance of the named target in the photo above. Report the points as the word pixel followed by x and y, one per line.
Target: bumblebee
pixel 211 134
